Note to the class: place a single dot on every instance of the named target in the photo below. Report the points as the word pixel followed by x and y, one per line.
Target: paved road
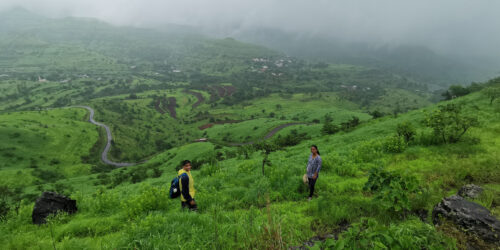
pixel 104 155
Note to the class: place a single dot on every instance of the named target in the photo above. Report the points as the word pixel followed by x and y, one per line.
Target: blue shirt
pixel 313 165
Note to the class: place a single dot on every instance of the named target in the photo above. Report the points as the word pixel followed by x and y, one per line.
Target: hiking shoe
pixel 309 199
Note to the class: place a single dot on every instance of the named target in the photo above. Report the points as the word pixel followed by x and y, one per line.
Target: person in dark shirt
pixel 187 187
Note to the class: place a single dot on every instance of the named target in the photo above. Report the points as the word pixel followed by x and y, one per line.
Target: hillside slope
pixel 241 208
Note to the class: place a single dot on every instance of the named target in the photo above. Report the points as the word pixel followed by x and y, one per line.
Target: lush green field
pixel 44 146
pixel 241 208
pixel 145 85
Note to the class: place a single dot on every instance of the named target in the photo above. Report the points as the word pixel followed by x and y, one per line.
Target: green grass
pixel 48 140
pixel 240 208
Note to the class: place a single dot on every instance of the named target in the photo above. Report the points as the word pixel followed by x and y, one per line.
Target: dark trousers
pixel 312 182
pixel 186 204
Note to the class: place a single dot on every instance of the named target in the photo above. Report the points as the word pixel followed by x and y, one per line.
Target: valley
pixel 104 115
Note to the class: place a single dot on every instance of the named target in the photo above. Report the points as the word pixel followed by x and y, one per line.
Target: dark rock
pixel 422 214
pixel 470 191
pixel 50 203
pixel 470 216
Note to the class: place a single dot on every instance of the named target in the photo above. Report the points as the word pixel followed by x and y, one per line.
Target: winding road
pixel 104 154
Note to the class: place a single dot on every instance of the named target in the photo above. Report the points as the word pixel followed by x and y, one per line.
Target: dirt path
pixel 172 103
pixel 104 154
pixel 199 96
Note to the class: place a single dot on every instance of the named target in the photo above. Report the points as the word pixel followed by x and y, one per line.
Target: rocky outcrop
pixel 470 216
pixel 51 203
pixel 470 191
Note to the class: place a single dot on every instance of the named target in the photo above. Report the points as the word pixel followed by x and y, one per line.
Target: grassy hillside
pixel 42 147
pixel 241 208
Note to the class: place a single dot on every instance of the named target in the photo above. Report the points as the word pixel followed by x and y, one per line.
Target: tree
pixel 329 128
pixel 266 148
pixel 492 93
pixel 406 130
pixel 450 123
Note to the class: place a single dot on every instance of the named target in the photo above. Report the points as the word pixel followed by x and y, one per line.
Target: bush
pixel 406 130
pixel 367 151
pixel 394 144
pixel 156 172
pixel 411 234
pixel 329 128
pixel 392 189
pixel 349 125
pixel 149 199
pixel 339 165
pixel 47 175
pixel 138 174
pixel 449 122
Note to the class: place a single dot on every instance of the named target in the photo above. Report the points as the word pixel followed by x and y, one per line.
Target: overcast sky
pixel 472 26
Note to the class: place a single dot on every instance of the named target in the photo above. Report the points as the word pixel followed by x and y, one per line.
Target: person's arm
pixel 318 168
pixel 185 188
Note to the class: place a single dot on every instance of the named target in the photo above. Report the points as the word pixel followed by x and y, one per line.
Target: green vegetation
pixel 389 155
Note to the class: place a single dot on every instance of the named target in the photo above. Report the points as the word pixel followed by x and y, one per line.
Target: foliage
pixel 149 199
pixel 406 130
pixel 410 234
pixel 394 144
pixel 391 189
pixel 492 93
pixel 291 139
pixel 449 122
pixel 349 125
pixel 329 128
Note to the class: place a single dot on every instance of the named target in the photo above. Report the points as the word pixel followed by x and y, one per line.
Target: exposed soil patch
pixel 229 90
pixel 213 93
pixel 199 96
pixel 221 91
pixel 172 103
pixel 158 107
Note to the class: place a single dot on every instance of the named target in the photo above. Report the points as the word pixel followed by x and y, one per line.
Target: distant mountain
pixel 417 62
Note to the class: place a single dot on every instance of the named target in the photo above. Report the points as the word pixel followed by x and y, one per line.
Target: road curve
pixel 104 154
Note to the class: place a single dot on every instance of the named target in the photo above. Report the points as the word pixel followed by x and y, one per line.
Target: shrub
pixel 406 130
pixel 339 165
pixel 392 189
pixel 394 144
pixel 349 125
pixel 492 93
pixel 450 123
pixel 104 202
pixel 329 128
pixel 367 151
pixel 149 199
pixel 411 234
pixel 156 172
pixel 138 175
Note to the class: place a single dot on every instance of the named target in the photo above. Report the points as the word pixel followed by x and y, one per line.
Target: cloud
pixel 465 26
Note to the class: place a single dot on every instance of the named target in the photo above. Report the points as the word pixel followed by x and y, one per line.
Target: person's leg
pixel 193 208
pixel 312 182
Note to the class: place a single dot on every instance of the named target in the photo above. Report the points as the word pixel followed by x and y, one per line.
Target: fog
pixel 461 27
